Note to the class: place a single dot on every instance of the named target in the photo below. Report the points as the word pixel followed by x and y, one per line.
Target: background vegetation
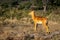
pixel 15 21
pixel 15 6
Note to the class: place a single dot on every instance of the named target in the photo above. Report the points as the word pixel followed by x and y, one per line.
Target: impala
pixel 39 20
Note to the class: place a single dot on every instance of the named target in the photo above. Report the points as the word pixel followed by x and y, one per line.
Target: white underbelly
pixel 39 22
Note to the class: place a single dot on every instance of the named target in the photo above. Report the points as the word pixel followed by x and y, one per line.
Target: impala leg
pixel 35 27
pixel 46 27
pixel 47 30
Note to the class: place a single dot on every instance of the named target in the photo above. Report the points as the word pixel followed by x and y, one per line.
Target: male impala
pixel 39 20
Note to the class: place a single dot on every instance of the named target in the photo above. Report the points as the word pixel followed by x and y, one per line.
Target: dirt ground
pixel 24 31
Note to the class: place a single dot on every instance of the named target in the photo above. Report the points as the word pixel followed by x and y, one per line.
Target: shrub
pixel 24 5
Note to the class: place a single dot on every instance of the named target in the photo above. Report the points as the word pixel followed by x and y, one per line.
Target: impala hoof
pixel 48 32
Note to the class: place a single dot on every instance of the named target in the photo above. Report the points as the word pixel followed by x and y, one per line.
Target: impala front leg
pixel 35 26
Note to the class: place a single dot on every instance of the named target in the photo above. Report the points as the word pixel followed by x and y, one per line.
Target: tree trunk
pixel 44 5
pixel 44 8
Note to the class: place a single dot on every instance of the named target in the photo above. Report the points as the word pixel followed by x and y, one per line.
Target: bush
pixel 27 5
pixel 5 5
pixel 24 5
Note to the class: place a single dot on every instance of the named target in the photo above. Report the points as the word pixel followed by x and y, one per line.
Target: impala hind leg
pixel 46 27
pixel 35 28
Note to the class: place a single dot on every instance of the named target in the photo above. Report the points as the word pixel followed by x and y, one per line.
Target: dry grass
pixel 19 31
pixel 23 30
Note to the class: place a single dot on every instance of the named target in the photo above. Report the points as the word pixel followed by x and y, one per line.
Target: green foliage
pixel 8 11
pixel 58 2
pixel 7 14
pixel 17 15
pixel 54 2
pixel 21 6
pixel 39 3
pixel 5 5
pixel 25 5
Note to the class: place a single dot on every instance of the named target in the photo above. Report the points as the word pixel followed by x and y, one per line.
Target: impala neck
pixel 33 15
